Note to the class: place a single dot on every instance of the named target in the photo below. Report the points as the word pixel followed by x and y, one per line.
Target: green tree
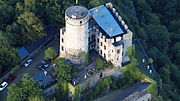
pixel 7 13
pixel 62 70
pixel 63 73
pixel 78 90
pixel 24 89
pixel 102 86
pixel 165 73
pixel 54 10
pixel 28 28
pixel 132 73
pixel 158 36
pixel 36 98
pixel 175 52
pixel 50 53
pixel 160 59
pixel 94 3
pixel 62 92
pixel 100 64
pixel 152 18
pixel 40 98
pixel 8 54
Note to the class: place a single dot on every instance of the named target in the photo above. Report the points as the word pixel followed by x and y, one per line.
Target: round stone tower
pixel 76 30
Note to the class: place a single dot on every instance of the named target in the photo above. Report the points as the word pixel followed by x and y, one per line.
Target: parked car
pixel 3 86
pixel 90 73
pixel 75 81
pixel 40 67
pixel 10 78
pixel 28 62
pixel 45 64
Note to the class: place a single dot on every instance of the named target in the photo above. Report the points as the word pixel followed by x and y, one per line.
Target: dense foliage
pixel 23 90
pixel 8 56
pixel 26 90
pixel 102 87
pixel 24 21
pixel 63 73
pixel 50 53
pixel 102 64
pixel 155 22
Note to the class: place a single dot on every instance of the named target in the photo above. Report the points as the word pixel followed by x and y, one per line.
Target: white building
pixel 100 28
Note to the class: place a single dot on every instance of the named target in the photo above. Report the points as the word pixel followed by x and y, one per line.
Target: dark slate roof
pixel 45 80
pixel 106 21
pixel 23 53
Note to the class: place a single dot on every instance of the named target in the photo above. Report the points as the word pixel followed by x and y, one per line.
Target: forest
pixel 156 23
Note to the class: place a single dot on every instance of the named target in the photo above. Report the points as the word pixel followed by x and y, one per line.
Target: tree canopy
pixel 24 89
pixel 50 53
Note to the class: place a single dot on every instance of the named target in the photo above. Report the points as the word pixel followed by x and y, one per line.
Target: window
pixel 104 55
pixel 62 48
pixel 118 51
pixel 104 47
pixel 101 44
pixel 62 40
pixel 98 40
pixel 112 51
pixel 80 22
pixel 101 52
pixel 104 40
pixel 89 39
pixel 101 36
pixel 117 58
pixel 92 37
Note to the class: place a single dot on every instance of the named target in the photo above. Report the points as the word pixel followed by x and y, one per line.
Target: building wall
pixel 78 38
pixel 127 39
pixel 104 46
pixel 76 35
pixel 74 39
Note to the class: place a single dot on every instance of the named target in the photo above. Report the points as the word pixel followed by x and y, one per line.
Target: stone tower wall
pixel 75 34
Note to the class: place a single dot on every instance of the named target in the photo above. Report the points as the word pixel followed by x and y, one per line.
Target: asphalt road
pixel 123 93
pixel 31 69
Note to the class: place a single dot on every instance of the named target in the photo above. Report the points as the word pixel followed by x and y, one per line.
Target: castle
pixel 100 28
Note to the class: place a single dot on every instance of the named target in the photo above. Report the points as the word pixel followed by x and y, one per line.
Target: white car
pixel 28 62
pixel 3 86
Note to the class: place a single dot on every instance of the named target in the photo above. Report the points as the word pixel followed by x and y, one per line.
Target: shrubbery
pixel 102 64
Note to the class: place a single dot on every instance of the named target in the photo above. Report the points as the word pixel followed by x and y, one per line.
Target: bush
pixel 50 53
pixel 101 64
